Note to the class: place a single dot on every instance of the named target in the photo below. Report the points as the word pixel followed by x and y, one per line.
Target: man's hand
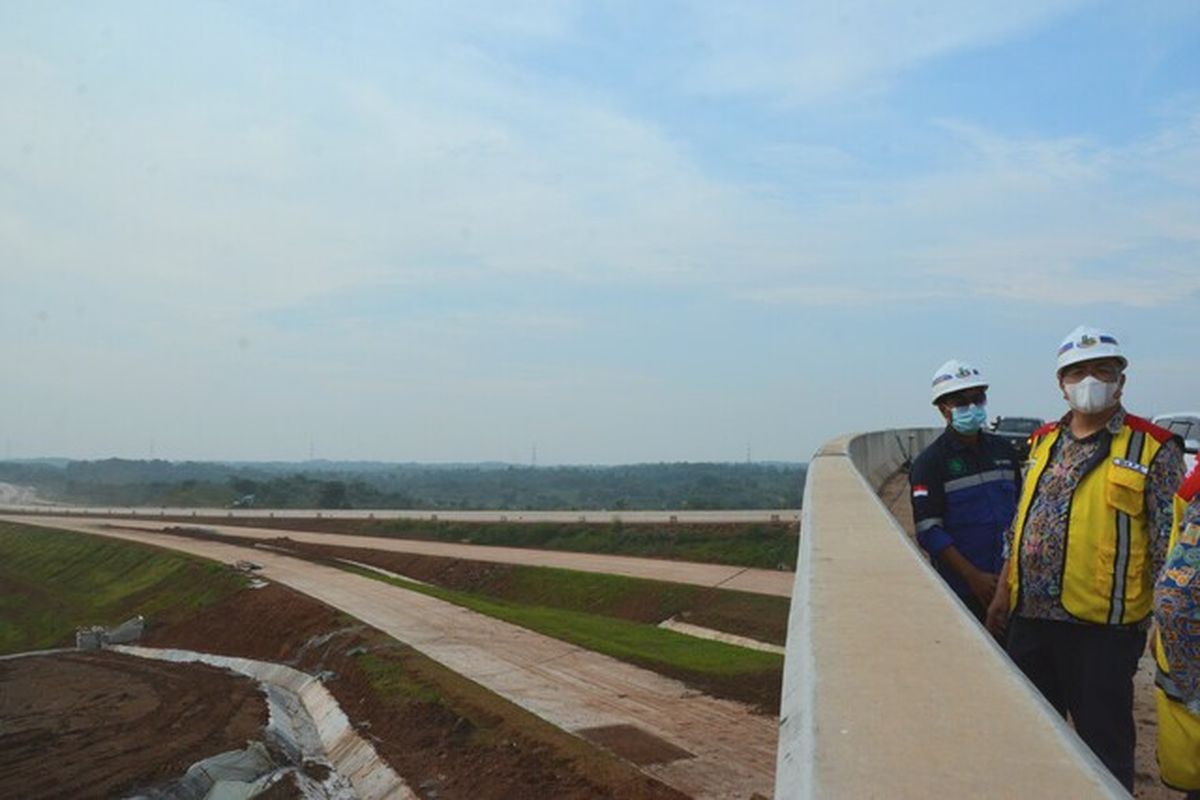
pixel 997 611
pixel 983 586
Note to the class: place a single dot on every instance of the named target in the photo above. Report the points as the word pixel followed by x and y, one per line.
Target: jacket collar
pixel 1113 426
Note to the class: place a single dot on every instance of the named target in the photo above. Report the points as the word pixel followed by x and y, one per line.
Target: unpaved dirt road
pixel 709 747
pixel 742 579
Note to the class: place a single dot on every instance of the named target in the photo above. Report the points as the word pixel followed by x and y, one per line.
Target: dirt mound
pixel 102 724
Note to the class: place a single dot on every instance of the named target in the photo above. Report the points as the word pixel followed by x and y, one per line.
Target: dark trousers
pixel 1085 671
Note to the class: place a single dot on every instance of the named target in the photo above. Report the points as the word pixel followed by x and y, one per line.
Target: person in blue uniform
pixel 964 489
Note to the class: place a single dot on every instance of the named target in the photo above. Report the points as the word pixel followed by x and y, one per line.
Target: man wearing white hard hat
pixel 964 489
pixel 1089 538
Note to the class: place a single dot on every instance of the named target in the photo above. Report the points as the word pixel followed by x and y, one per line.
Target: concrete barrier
pixel 305 703
pixel 891 689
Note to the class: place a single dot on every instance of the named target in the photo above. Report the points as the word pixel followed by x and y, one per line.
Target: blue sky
pixel 621 231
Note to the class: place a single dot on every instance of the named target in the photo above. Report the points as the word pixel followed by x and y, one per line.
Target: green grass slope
pixel 765 545
pixel 638 643
pixel 52 582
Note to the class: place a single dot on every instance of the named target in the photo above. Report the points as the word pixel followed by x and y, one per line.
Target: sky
pixel 607 232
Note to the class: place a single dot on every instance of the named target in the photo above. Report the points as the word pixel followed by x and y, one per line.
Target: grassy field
pixel 767 546
pixel 758 616
pixel 643 644
pixel 53 582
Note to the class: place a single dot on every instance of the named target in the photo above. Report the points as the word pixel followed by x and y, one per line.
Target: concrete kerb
pixel 795 773
pixel 350 755
pixel 828 719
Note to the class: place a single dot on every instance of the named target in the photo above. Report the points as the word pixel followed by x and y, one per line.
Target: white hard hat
pixel 954 376
pixel 1086 343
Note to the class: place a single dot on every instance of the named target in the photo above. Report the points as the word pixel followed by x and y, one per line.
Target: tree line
pixel 119 482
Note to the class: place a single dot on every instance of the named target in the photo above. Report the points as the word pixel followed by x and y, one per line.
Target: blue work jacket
pixel 965 494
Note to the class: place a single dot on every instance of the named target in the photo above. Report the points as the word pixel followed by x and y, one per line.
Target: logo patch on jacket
pixel 956 466
pixel 920 491
pixel 1133 465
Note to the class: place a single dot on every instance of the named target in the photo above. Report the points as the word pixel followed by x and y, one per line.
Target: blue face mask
pixel 968 419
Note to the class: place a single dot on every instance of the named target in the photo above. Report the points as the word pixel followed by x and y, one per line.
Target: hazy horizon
pixel 415 464
pixel 619 233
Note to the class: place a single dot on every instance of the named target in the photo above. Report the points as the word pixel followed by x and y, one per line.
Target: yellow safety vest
pixel 1178 728
pixel 1105 575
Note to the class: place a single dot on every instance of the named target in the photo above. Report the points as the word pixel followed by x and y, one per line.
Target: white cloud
pixel 1047 221
pixel 272 177
pixel 804 51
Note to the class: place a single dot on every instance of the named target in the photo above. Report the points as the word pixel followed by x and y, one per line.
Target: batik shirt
pixel 1045 531
pixel 1177 609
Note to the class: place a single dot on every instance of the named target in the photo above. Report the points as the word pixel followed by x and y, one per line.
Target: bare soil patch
pixel 102 724
pixel 445 735
pixel 635 744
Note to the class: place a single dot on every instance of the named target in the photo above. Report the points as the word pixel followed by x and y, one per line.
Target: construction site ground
pixel 759 617
pixel 894 494
pixel 349 533
pixel 676 737
pixel 100 724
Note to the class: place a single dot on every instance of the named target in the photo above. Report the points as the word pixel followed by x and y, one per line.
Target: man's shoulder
pixel 993 440
pixel 931 457
pixel 1045 430
pixel 1190 489
pixel 1159 434
pixel 997 448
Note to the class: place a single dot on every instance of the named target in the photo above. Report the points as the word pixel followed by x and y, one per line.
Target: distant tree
pixel 333 495
pixel 244 486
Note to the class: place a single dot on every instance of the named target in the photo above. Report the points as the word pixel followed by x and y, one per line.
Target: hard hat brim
pixel 977 384
pixel 1073 357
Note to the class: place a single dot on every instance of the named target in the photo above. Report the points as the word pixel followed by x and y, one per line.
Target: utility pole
pixel 533 456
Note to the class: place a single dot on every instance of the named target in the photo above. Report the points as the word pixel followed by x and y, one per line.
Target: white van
pixel 1185 425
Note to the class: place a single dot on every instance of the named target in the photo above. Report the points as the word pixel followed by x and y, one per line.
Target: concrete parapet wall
pixel 891 689
pixel 879 454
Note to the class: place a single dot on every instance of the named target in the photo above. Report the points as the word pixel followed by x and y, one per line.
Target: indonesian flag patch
pixel 920 491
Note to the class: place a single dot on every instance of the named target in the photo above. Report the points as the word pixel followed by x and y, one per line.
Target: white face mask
pixel 1091 396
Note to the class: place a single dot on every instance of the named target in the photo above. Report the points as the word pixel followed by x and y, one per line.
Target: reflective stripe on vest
pixel 1106 554
pixel 979 479
pixel 1121 563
